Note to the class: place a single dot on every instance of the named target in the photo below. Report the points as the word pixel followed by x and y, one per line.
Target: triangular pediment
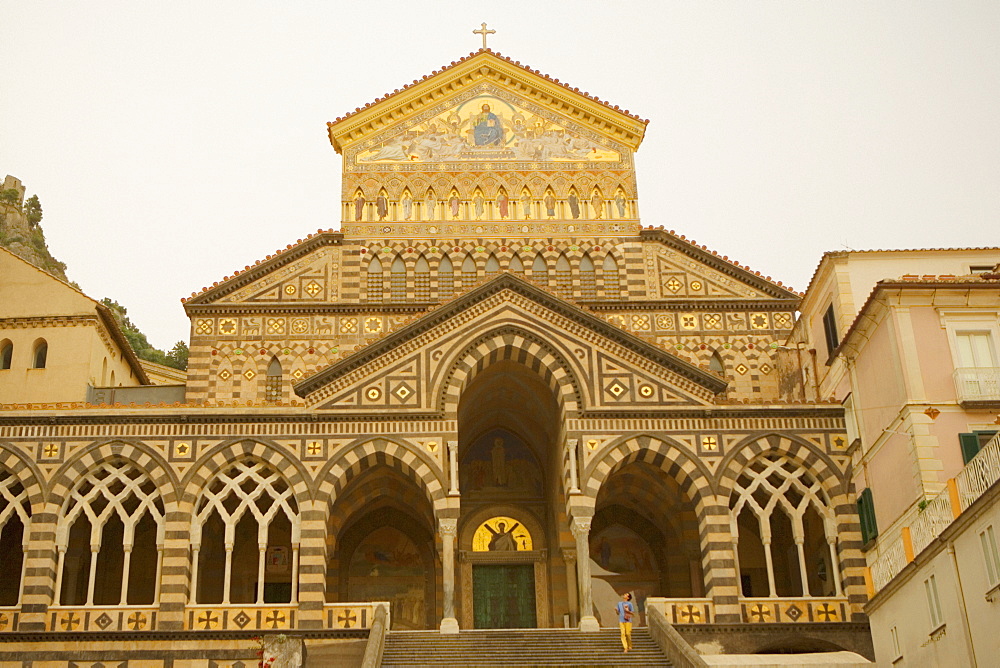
pixel 530 115
pixel 611 369
pixel 304 273
pixel 680 269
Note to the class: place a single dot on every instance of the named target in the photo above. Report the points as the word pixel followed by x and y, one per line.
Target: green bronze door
pixel 504 596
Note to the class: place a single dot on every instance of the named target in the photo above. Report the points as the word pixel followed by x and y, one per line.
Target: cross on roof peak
pixel 484 32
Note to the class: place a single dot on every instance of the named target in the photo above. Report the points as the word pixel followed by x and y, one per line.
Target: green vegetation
pixel 9 196
pixel 176 357
pixel 33 210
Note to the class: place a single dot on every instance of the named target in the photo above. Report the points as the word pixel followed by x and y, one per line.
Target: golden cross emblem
pixel 51 450
pixel 484 32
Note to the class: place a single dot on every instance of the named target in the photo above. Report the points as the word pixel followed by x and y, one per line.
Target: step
pixel 488 648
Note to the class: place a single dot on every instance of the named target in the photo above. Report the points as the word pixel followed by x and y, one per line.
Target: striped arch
pixel 806 454
pixel 24 470
pixel 364 491
pixel 692 476
pixel 215 460
pixel 134 452
pixel 511 343
pixel 355 458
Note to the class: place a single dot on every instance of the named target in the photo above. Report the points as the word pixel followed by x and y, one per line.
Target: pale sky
pixel 172 143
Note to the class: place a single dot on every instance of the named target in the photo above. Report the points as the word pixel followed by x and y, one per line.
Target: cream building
pixel 491 399
pixel 907 341
pixel 55 341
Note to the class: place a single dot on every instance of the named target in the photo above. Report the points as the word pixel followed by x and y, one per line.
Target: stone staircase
pixel 567 648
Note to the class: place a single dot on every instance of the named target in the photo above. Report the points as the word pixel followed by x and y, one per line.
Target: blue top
pixel 621 610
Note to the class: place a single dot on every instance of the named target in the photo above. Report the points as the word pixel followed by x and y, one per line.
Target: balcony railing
pixel 895 552
pixel 977 384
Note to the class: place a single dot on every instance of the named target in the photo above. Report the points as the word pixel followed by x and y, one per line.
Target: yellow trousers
pixel 626 628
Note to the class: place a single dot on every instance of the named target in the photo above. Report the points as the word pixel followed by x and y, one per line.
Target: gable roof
pixel 104 314
pixel 720 263
pixel 260 268
pixel 522 287
pixel 485 65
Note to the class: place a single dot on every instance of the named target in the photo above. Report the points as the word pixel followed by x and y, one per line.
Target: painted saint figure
pixel 431 205
pixel 574 204
pixel 359 207
pixel 382 206
pixel 407 203
pixel 525 205
pixel 503 538
pixel 454 203
pixel 503 204
pixel 550 205
pixel 597 204
pixel 620 203
pixel 486 128
pixel 499 456
pixel 478 203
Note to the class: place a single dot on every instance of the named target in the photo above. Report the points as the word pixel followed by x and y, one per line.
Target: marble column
pixel 569 559
pixel 448 528
pixel 581 532
pixel 453 468
pixel 574 482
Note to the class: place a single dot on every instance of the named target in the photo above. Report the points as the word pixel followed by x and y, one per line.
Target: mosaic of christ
pixel 487 127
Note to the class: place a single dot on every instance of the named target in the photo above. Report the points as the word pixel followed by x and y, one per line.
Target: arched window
pixel 540 270
pixel 273 382
pixel 515 265
pixel 422 280
pixel 785 531
pixel 397 282
pixel 375 280
pixel 40 354
pixel 110 539
pixel 15 520
pixel 446 278
pixel 564 277
pixel 247 518
pixel 6 353
pixel 588 286
pixel 468 272
pixel 492 266
pixel 612 282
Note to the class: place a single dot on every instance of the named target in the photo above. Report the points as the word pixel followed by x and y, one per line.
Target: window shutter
pixel 866 513
pixel 970 446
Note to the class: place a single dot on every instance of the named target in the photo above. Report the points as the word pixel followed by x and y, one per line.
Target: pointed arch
pixel 246 512
pixel 354 458
pixel 375 284
pixel 446 278
pixel 492 266
pixel 564 276
pixel 540 270
pixel 610 278
pixel 274 381
pixel 422 279
pixel 515 266
pixel 516 344
pixel 110 537
pixel 588 283
pixel 469 272
pixel 397 280
pixel 7 353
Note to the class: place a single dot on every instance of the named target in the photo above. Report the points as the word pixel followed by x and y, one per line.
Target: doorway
pixel 504 596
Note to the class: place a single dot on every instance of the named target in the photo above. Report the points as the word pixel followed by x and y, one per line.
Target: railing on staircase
pixel 670 642
pixel 376 638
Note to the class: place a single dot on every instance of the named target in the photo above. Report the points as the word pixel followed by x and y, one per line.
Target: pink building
pixel 908 342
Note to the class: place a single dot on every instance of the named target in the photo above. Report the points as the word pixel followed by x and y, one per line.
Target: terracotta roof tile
pixel 516 63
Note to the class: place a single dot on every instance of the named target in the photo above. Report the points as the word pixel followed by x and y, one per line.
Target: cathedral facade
pixel 491 399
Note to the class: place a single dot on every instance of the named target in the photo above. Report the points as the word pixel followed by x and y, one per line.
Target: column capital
pixel 580 526
pixel 568 555
pixel 448 526
pixel 451 445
